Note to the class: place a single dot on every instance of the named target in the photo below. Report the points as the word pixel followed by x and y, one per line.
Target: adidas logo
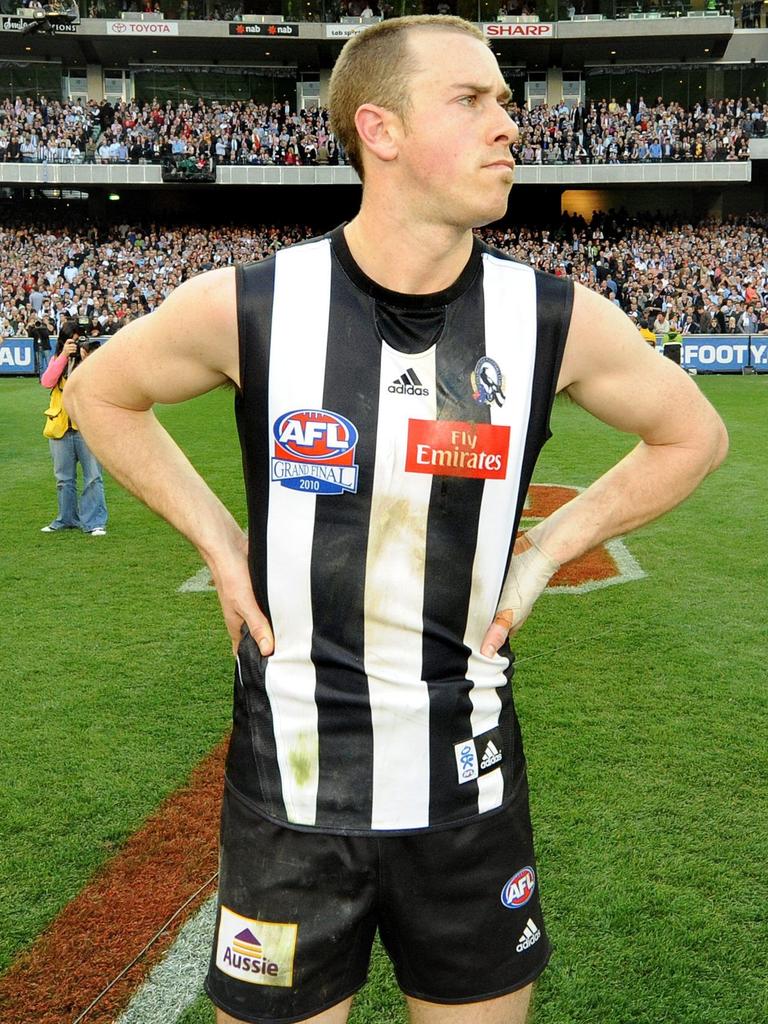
pixel 529 938
pixel 491 756
pixel 408 384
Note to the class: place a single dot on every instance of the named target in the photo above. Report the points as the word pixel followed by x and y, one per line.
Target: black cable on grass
pixel 143 952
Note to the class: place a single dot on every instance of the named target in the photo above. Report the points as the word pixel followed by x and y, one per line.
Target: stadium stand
pixel 245 132
pixel 154 104
pixel 708 278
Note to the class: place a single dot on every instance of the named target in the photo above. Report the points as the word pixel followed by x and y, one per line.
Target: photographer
pixel 89 512
pixel 40 333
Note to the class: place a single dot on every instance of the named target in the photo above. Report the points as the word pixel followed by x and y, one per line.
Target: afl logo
pixel 487 382
pixel 314 435
pixel 519 889
pixel 315 452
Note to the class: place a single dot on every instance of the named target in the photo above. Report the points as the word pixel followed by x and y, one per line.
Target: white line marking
pixel 177 981
pixel 198 584
pixel 628 566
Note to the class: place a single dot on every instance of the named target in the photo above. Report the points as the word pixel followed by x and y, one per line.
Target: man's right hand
pixel 238 604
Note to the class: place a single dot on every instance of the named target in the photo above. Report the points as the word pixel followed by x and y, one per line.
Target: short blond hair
pixel 375 66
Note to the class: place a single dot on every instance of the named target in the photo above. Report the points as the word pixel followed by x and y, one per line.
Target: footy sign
pixel 315 452
pixel 714 355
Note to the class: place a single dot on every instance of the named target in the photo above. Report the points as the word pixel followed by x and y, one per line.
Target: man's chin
pixel 492 212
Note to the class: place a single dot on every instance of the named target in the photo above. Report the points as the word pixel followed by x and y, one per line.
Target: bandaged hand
pixel 530 571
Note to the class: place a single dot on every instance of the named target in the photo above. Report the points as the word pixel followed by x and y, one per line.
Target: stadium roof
pixel 565 44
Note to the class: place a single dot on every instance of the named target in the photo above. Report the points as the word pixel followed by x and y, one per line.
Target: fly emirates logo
pixel 453 448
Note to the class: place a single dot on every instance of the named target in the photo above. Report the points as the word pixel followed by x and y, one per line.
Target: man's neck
pixel 405 255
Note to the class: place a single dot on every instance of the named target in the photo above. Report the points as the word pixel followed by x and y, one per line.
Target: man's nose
pixel 507 128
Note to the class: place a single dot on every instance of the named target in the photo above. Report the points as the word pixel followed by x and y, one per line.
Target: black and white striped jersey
pixel 388 442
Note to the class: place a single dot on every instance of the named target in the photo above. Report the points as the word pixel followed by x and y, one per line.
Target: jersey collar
pixel 402 300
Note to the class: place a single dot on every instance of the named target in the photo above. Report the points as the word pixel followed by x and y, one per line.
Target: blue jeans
pixel 90 511
pixel 45 357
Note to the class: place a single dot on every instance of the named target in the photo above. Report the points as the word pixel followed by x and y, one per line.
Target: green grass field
pixel 643 706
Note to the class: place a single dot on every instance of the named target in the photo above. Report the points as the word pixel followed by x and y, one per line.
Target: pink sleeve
pixel 54 371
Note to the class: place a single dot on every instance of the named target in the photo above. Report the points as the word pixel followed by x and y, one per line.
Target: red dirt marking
pixel 542 500
pixel 120 910
pixel 597 564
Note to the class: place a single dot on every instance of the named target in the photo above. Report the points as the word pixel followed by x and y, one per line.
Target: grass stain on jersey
pixel 396 550
pixel 302 761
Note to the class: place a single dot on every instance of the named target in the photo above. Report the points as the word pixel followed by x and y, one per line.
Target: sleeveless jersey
pixel 388 442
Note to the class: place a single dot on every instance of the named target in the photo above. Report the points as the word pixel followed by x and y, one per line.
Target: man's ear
pixel 379 130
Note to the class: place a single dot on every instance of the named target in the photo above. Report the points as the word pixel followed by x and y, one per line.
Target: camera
pixel 86 345
pixel 57 14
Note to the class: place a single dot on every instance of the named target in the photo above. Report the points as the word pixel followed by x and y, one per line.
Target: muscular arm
pixel 614 375
pixel 610 371
pixel 187 347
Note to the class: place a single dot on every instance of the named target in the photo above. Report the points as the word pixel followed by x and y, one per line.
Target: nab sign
pixel 243 29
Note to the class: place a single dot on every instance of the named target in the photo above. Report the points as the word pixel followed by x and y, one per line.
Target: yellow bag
pixel 56 419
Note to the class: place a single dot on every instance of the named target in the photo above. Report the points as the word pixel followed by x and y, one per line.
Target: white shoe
pixel 98 532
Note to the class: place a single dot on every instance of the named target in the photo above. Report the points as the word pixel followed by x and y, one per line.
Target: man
pixel 390 422
pixel 748 321
pixel 40 333
pixel 672 343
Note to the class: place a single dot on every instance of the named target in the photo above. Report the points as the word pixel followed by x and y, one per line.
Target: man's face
pixel 455 153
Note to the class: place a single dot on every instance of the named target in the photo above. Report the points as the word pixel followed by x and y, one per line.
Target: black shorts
pixel 457 910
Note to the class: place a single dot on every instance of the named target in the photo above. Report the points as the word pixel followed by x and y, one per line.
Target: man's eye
pixel 469 100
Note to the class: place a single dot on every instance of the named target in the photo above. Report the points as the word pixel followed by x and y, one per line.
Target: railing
pixel 333 11
pixel 254 161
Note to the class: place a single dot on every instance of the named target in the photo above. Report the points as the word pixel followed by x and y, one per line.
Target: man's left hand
pixel 530 571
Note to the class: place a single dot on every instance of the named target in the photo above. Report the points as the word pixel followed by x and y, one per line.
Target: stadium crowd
pixel 247 132
pixel 607 132
pixel 708 278
pixel 194 10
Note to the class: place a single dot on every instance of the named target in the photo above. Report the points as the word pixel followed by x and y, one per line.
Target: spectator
pixel 88 512
pixel 748 321
pixel 661 324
